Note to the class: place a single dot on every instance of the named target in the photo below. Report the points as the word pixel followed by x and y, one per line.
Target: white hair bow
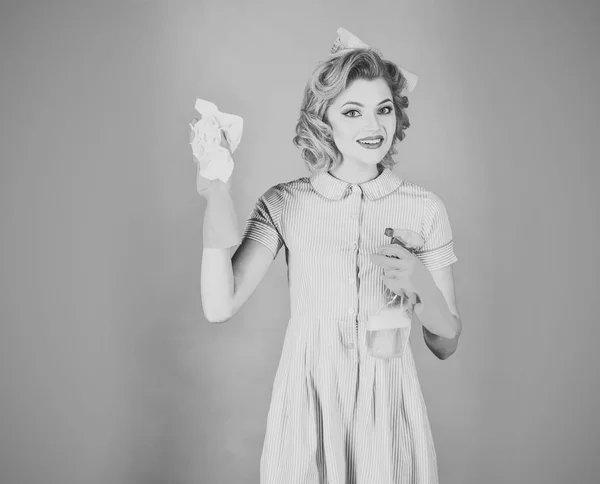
pixel 347 40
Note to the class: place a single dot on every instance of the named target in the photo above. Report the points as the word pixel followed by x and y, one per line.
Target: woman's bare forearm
pixel 216 284
pixel 441 325
pixel 434 313
pixel 442 347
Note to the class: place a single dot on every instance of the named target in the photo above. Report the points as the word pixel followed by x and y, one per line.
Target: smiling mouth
pixel 377 141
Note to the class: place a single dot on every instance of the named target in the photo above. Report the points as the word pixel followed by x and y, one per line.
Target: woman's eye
pixel 389 110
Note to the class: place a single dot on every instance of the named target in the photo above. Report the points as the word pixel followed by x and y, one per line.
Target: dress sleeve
pixel 264 222
pixel 438 251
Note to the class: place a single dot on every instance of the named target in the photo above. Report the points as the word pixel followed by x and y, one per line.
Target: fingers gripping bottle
pixel 388 329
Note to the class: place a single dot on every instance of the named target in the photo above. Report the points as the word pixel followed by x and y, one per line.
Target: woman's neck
pixel 353 175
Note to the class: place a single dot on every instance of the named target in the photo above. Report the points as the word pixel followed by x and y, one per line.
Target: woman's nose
pixel 371 123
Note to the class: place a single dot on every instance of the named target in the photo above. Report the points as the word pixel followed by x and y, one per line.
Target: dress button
pixel 354 216
pixel 355 246
pixel 351 311
pixel 351 346
pixel 351 279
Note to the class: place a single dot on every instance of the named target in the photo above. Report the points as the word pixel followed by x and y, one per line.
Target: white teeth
pixel 370 142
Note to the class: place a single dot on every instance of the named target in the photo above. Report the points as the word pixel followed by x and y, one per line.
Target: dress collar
pixel 333 188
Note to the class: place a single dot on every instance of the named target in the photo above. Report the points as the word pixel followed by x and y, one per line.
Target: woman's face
pixel 365 109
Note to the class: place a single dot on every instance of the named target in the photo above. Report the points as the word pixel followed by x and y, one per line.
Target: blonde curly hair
pixel 314 137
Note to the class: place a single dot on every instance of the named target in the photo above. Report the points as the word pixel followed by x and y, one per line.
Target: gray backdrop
pixel 111 374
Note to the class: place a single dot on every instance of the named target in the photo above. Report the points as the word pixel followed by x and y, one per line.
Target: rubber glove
pixel 220 228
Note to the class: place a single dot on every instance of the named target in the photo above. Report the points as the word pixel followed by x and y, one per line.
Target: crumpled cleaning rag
pixel 213 160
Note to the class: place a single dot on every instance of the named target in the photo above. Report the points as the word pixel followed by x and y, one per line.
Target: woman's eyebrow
pixel 361 105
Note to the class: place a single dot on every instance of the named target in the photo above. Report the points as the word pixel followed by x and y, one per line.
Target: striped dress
pixel 337 414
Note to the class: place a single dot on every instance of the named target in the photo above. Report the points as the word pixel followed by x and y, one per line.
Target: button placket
pixel 356 202
pixel 346 335
pixel 356 192
pixel 355 217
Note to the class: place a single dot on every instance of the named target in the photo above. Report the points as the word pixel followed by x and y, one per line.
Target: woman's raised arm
pixel 227 282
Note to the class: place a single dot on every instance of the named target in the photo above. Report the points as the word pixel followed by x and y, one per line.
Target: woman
pixel 337 414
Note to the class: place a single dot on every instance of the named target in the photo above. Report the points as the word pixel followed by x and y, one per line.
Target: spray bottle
pixel 388 329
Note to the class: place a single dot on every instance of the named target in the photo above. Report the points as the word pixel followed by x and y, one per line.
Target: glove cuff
pixel 220 226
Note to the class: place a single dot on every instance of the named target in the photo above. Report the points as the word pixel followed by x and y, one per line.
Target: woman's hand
pixel 403 272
